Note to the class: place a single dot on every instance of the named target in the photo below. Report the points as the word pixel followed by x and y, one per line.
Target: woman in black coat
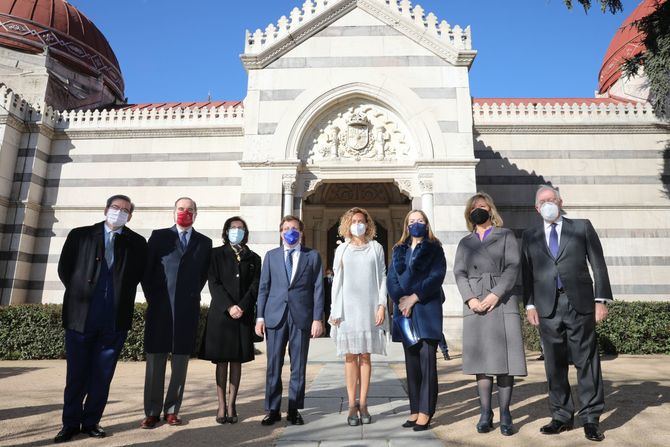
pixel 234 274
pixel 414 283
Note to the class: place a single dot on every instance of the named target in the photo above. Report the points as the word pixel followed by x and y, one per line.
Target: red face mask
pixel 184 218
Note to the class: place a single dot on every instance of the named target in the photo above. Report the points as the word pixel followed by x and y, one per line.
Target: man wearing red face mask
pixel 176 272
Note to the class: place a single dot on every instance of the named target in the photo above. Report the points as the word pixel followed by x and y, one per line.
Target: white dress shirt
pixel 547 230
pixel 296 257
pixel 107 235
pixel 188 231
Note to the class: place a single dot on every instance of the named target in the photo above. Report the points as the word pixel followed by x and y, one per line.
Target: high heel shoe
pixel 366 418
pixel 485 425
pixel 422 427
pixel 353 420
pixel 506 426
pixel 222 419
pixel 232 419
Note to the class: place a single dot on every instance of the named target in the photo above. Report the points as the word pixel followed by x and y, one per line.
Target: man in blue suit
pixel 289 311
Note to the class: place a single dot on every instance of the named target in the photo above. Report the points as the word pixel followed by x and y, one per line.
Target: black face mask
pixel 479 215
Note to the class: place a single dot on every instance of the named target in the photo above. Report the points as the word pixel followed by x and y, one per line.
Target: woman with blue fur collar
pixel 414 284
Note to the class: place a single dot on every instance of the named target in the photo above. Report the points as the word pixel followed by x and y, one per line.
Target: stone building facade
pixel 349 102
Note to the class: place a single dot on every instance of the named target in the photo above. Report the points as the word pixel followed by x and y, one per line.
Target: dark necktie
pixel 289 264
pixel 553 248
pixel 109 250
pixel 183 240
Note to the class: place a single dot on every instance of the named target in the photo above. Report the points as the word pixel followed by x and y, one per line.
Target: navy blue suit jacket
pixel 303 297
pixel 424 277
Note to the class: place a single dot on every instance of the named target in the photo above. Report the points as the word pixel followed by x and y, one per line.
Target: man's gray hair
pixel 543 188
pixel 195 206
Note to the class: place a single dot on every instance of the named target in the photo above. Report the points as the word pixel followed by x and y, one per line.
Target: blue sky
pixel 176 50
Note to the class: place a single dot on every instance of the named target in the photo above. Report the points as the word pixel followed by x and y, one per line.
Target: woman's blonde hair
pixel 496 220
pixel 405 230
pixel 345 224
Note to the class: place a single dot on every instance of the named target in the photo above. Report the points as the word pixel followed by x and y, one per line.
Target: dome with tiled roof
pixel 626 43
pixel 65 32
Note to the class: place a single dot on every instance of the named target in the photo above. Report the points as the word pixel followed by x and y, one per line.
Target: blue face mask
pixel 235 235
pixel 292 236
pixel 418 229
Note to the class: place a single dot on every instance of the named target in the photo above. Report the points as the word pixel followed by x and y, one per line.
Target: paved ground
pixel 637 397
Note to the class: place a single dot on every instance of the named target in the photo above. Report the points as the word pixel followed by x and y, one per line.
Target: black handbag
pixel 404 331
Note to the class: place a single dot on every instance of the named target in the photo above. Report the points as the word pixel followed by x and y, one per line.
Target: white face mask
pixel 357 229
pixel 549 211
pixel 116 218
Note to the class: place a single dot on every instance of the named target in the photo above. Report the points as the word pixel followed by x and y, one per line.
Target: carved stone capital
pixel 426 185
pixel 288 183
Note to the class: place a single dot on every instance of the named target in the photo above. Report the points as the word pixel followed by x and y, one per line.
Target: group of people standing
pixel 281 300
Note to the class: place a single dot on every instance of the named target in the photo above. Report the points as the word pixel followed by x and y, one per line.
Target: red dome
pixel 627 42
pixel 33 25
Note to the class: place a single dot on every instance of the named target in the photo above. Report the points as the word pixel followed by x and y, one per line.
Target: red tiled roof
pixel 183 105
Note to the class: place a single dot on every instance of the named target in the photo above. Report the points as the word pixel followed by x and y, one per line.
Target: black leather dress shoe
pixel 555 427
pixel 507 430
pixel 94 431
pixel 592 432
pixel 65 434
pixel 271 418
pixel 295 418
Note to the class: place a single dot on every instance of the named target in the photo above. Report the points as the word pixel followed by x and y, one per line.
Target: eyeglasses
pixel 542 202
pixel 118 208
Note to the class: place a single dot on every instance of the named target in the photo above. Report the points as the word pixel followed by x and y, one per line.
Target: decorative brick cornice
pixel 586 128
pixel 105 134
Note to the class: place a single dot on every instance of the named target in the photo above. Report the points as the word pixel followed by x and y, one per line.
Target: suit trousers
pixel 91 360
pixel 287 333
pixel 421 369
pixel 154 383
pixel 568 335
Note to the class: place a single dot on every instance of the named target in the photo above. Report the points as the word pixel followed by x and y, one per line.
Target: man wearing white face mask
pixel 100 266
pixel 563 300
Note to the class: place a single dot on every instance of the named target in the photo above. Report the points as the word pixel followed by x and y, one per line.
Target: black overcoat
pixel 174 275
pixel 79 268
pixel 231 283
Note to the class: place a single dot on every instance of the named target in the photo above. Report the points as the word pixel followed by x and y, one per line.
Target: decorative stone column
pixel 288 189
pixel 427 203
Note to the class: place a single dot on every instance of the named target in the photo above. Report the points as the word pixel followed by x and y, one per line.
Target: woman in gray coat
pixel 486 269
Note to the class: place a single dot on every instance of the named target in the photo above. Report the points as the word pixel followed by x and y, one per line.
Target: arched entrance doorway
pixel 322 210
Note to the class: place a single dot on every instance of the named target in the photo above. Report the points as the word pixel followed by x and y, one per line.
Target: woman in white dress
pixel 358 309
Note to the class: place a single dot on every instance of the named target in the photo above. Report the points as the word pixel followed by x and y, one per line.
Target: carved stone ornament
pixel 405 186
pixel 363 131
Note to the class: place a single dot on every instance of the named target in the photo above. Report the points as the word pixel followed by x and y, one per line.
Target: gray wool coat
pixel 492 342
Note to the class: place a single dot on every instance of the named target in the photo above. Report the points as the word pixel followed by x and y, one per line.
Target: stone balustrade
pixel 548 111
pixel 155 117
pixel 311 11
